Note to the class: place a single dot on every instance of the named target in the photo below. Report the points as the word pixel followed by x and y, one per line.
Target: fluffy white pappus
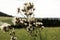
pixel 14 20
pixel 42 27
pixel 40 23
pixel 4 25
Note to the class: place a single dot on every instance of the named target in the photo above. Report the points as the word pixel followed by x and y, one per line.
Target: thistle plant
pixel 12 34
pixel 32 22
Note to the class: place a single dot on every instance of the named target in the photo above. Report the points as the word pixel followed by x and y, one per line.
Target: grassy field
pixel 6 19
pixel 22 34
pixel 52 33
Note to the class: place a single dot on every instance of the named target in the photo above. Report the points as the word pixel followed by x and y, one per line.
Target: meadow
pixel 48 33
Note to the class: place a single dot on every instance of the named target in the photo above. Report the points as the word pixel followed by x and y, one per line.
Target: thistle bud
pixel 18 10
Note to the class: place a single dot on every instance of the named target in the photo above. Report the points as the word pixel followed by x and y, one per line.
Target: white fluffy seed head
pixel 42 27
pixel 4 25
pixel 14 20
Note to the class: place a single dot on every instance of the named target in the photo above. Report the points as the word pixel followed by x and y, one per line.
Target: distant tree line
pixel 51 22
pixel 5 15
pixel 47 22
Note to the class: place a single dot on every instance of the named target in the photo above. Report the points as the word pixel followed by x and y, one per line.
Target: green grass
pixel 22 34
pixel 6 19
pixel 52 33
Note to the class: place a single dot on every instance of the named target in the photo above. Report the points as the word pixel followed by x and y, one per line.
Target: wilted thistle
pixel 12 33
